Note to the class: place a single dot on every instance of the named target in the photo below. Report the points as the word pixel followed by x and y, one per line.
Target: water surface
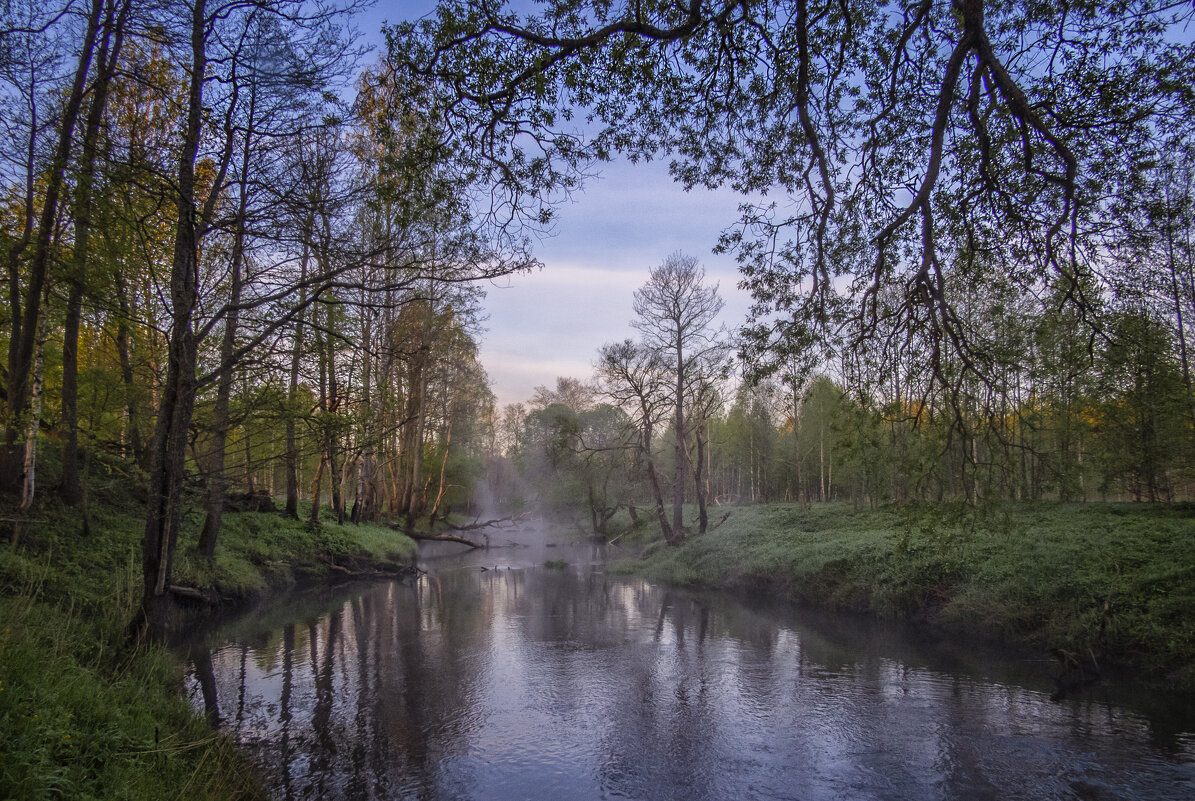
pixel 520 682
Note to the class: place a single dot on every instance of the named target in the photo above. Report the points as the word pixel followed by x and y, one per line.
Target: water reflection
pixel 533 683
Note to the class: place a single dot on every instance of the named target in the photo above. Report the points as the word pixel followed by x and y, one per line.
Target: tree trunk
pixel 1176 294
pixel 412 449
pixel 24 326
pixel 292 393
pixel 132 415
pixel 217 480
pixel 822 459
pixel 29 463
pixel 682 453
pixel 797 446
pixel 324 423
pixel 109 53
pixel 331 405
pixel 365 502
pixel 666 529
pixel 168 455
pixel 702 516
pixel 316 492
pixel 444 462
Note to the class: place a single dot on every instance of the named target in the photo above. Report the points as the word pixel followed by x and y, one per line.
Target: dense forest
pixel 243 259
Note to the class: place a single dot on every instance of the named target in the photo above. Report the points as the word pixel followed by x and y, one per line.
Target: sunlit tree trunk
pixel 29 462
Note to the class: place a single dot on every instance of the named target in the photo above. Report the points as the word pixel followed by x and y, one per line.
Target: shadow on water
pixel 518 682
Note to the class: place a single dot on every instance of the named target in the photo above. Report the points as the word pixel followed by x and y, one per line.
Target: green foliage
pixel 1143 416
pixel 579 461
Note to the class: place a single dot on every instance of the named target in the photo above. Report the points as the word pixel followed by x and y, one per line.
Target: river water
pixel 493 677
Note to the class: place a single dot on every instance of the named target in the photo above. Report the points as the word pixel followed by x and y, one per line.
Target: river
pixel 493 677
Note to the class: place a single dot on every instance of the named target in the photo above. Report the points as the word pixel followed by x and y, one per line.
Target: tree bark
pixel 29 473
pixel 292 393
pixel 24 333
pixel 132 414
pixel 70 490
pixel 682 453
pixel 217 480
pixel 702 515
pixel 670 535
pixel 168 454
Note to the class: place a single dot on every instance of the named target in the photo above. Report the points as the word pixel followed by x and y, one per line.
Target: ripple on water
pixel 535 684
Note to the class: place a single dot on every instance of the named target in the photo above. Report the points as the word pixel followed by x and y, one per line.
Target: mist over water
pixel 493 677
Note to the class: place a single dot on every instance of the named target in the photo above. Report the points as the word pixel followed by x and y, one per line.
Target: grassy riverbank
pixel 83 713
pixel 1118 579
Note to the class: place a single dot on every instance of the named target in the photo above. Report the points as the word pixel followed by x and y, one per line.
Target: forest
pixel 245 247
pixel 244 258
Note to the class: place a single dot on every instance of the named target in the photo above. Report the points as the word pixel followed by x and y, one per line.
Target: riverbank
pixel 1116 581
pixel 85 714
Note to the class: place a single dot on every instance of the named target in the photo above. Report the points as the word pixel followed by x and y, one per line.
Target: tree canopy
pixel 879 147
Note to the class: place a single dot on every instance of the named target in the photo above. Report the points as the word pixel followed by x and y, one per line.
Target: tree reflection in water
pixel 537 683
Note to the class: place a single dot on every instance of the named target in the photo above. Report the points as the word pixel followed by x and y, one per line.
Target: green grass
pixel 1116 578
pixel 85 714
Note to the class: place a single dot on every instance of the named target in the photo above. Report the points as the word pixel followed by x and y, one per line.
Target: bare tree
pixel 676 314
pixel 634 377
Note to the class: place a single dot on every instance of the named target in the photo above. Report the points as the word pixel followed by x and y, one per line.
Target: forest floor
pixel 86 714
pixel 1113 583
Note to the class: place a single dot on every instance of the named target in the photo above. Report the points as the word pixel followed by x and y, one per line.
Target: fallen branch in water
pixel 422 535
pixel 370 572
pixel 478 523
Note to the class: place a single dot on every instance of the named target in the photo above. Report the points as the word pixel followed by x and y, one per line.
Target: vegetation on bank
pixel 85 713
pixel 1116 581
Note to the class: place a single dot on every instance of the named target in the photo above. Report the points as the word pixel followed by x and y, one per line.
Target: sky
pixel 551 322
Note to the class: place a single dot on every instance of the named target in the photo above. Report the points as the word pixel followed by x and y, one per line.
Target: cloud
pixel 513 377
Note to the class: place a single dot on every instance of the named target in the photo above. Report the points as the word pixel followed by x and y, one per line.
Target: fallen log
pixel 372 572
pixel 203 596
pixel 478 523
pixel 420 535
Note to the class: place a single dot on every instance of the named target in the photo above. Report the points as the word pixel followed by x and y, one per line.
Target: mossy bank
pixel 1116 581
pixel 84 713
